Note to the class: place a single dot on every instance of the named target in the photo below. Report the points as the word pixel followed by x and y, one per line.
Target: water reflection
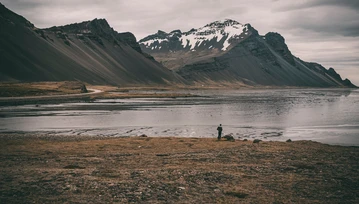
pixel 326 115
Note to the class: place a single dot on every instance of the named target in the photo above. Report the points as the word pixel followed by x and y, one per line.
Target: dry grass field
pixel 68 169
pixel 40 88
pixel 109 92
pixel 66 87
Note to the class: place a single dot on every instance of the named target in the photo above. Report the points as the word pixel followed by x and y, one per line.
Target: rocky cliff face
pixel 277 42
pixel 90 51
pixel 230 52
pixel 96 29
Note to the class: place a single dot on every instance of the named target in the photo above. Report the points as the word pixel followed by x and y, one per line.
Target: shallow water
pixel 325 115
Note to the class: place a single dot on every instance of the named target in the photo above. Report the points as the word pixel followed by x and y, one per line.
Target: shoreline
pixel 132 132
pixel 113 92
pixel 65 137
pixel 173 169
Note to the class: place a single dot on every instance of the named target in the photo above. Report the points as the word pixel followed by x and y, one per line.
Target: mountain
pixel 90 51
pixel 176 49
pixel 230 52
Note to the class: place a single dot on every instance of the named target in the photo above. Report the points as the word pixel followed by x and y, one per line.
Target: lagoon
pixel 325 115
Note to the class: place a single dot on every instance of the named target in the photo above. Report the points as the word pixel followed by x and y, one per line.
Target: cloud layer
pixel 323 31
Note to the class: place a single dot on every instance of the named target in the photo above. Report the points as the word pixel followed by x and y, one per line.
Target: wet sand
pixel 70 169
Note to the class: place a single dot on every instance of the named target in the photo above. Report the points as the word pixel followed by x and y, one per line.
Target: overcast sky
pixel 323 31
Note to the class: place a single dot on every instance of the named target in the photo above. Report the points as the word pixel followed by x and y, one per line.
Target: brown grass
pixel 113 92
pixel 174 170
pixel 139 91
pixel 108 95
pixel 39 88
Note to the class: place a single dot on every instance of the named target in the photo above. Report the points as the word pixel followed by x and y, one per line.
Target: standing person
pixel 219 129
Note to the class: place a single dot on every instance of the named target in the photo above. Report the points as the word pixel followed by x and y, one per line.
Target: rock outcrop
pixel 277 42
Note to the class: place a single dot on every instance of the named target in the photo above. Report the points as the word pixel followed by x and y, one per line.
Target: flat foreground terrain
pixel 35 169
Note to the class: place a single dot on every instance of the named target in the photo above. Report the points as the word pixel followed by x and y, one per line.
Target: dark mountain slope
pixel 229 52
pixel 90 51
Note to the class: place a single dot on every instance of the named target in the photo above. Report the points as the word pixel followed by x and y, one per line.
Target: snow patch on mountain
pixel 219 31
pixel 150 42
pixel 189 40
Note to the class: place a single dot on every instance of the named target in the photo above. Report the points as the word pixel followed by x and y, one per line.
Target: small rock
pixel 143 135
pixel 289 140
pixel 162 155
pixel 181 188
pixel 229 137
pixel 73 166
pixel 245 140
pixel 256 141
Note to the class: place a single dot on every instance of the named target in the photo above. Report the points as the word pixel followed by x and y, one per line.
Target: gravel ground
pixel 68 169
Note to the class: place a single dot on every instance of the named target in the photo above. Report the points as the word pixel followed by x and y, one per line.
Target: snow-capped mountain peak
pixel 216 35
pixel 223 23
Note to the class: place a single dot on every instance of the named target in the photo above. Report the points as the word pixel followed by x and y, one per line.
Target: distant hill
pixel 90 51
pixel 230 52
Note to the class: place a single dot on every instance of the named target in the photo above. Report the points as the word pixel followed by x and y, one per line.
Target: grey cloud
pixel 183 15
pixel 232 11
pixel 342 28
pixel 353 4
pixel 36 4
pixel 22 5
pixel 328 21
pixel 45 13
pixel 347 61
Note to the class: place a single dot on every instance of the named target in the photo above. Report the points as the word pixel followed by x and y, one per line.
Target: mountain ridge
pixel 197 38
pixel 98 27
pixel 240 57
pixel 221 52
pixel 70 52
